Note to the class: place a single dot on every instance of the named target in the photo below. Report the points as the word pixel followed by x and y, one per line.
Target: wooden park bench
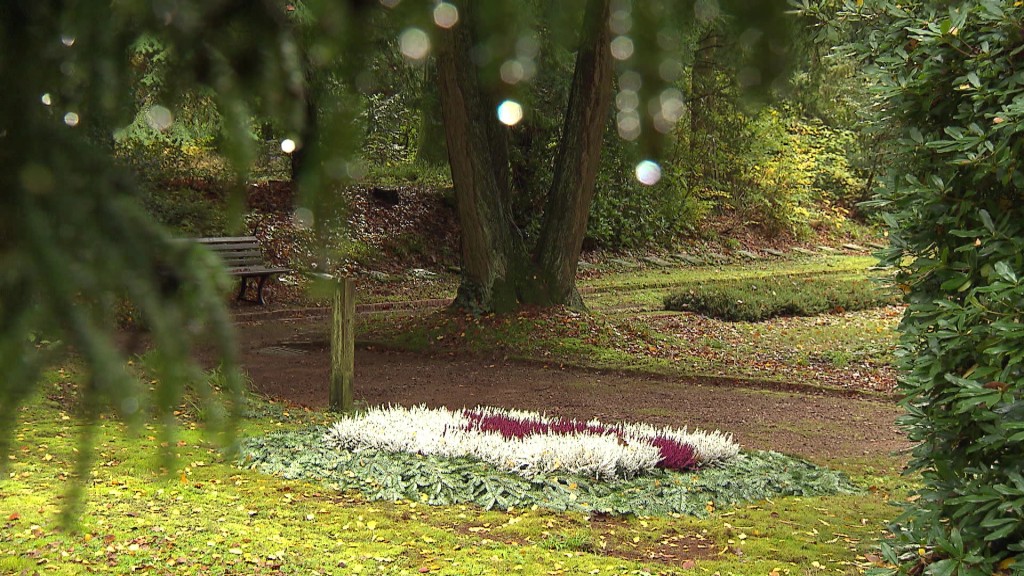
pixel 242 257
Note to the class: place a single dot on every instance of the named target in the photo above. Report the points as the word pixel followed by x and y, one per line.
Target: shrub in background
pixel 753 300
pixel 627 214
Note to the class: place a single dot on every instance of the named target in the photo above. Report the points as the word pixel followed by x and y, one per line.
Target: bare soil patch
pixel 821 426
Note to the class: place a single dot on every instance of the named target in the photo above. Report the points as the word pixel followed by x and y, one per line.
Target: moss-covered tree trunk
pixel 579 154
pixel 492 248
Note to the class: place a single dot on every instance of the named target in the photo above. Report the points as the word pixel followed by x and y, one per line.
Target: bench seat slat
pixel 255 271
pixel 232 264
pixel 227 240
pixel 244 264
pixel 254 254
pixel 229 248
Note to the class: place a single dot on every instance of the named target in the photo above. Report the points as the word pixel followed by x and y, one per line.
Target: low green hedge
pixel 753 300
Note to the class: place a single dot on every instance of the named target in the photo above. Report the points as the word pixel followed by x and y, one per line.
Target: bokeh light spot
pixel 303 218
pixel 528 46
pixel 510 112
pixel 414 44
pixel 648 172
pixel 630 80
pixel 620 21
pixel 67 40
pixel 672 104
pixel 706 10
pixel 446 15
pixel 670 70
pixel 628 123
pixel 288 146
pixel 159 118
pixel 669 40
pixel 622 47
pixel 627 100
pixel 130 405
pixel 356 170
pixel 46 99
pixel 71 119
pixel 512 72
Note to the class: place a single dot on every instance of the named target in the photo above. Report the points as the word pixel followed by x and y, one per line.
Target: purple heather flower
pixel 675 455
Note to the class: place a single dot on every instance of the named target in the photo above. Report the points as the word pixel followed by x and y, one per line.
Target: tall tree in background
pixel 492 248
pixel 576 164
pixel 498 273
pixel 501 270
pixel 431 148
pixel 704 90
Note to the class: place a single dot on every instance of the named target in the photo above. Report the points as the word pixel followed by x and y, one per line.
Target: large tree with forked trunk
pixel 500 272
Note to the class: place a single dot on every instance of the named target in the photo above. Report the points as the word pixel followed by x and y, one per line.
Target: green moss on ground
pixel 208 516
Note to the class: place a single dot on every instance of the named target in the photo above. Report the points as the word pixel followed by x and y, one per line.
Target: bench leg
pixel 259 290
pixel 241 288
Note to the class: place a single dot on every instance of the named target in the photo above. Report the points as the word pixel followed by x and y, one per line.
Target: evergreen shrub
pixel 753 300
pixel 951 78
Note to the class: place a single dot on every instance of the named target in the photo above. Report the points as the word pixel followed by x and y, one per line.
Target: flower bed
pixel 528 443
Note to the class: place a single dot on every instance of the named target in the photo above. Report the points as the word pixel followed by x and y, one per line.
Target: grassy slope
pixel 644 288
pixel 208 516
pixel 628 330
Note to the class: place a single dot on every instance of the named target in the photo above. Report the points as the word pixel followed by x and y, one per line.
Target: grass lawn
pixel 209 516
pixel 629 330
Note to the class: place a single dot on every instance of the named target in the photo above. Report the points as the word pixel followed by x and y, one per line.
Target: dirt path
pixel 821 427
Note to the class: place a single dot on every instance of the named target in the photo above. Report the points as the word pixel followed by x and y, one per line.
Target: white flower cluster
pixel 440 432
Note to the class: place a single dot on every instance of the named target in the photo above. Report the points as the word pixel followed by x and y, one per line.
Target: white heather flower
pixel 600 451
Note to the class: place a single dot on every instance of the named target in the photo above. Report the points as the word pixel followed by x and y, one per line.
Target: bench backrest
pixel 236 252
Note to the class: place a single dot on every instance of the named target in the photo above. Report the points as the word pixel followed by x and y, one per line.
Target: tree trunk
pixel 703 89
pixel 431 148
pixel 306 165
pixel 307 135
pixel 492 249
pixel 497 275
pixel 576 165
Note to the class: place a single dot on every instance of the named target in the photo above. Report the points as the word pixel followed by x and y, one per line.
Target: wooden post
pixel 343 346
